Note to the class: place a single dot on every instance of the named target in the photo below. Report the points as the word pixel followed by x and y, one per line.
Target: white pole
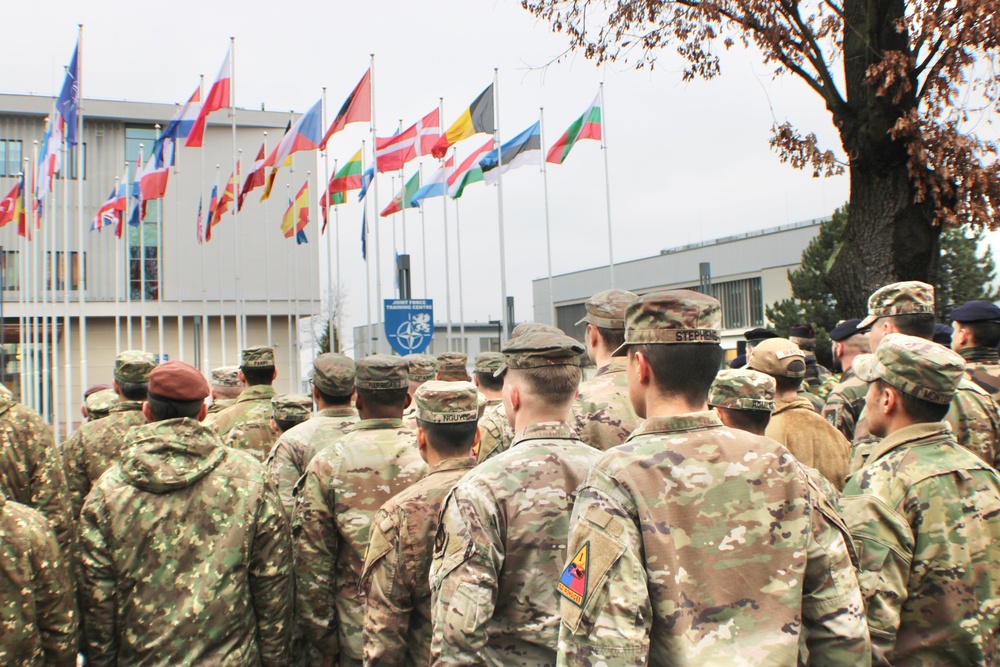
pixel 461 296
pixel 447 246
pixel 378 242
pixel 159 268
pixel 207 366
pixel 336 244
pixel 607 189
pixel 52 241
pixel 142 263
pixel 503 254
pixel 402 197
pixel 177 254
pixel 22 298
pixel 369 348
pixel 128 257
pixel 81 257
pixel 241 312
pixel 118 279
pixel 288 291
pixel 222 300
pixel 267 263
pixel 34 331
pixel 545 191
pixel 67 327
pixel 423 239
pixel 46 274
pixel 330 324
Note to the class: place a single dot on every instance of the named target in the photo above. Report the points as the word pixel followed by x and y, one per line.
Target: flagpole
pixel 607 189
pixel 128 256
pixel 423 237
pixel 336 231
pixel 288 284
pixel 461 296
pixel 378 236
pixel 53 318
pixel 142 259
pixel 79 218
pixel 364 247
pixel 159 261
pixel 31 228
pixel 503 259
pixel 22 298
pixel 447 246
pixel 177 254
pixel 44 278
pixel 298 299
pixel 402 204
pixel 239 251
pixel 222 300
pixel 329 244
pixel 241 314
pixel 395 250
pixel 267 264
pixel 67 327
pixel 545 191
pixel 118 279
pixel 207 368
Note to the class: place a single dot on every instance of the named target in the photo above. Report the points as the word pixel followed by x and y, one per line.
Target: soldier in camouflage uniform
pixel 743 399
pixel 344 486
pixel 804 338
pixel 925 515
pixel 99 404
pixel 38 622
pixel 421 367
pixel 332 390
pixel 908 308
pixel 501 543
pixel 290 410
pixel 453 367
pixel 602 413
pixel 226 388
pixel 186 551
pixel 95 446
pixel 247 424
pixel 489 385
pixel 975 336
pixel 693 543
pixel 397 628
pixel 845 401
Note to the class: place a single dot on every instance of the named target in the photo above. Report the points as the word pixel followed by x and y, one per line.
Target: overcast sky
pixel 688 162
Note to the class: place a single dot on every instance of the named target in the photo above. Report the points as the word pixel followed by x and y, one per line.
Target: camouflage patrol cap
pixel 100 403
pixel 529 327
pixel 447 402
pixel 538 349
pixel 261 356
pixel 422 367
pixel 905 298
pixel 488 362
pixel 333 374
pixel 291 407
pixel 914 366
pixel 673 316
pixel 381 372
pixel 226 376
pixel 134 366
pixel 607 309
pixel 742 389
pixel 777 357
pixel 452 362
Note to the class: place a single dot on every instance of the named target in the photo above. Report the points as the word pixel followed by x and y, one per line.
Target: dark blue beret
pixel 976 311
pixel 739 362
pixel 759 334
pixel 845 330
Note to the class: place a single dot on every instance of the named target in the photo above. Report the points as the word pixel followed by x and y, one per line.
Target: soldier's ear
pixel 406 403
pixel 274 374
pixel 149 415
pixel 201 413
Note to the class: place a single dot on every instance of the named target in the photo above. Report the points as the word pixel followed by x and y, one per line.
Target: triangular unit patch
pixel 573 582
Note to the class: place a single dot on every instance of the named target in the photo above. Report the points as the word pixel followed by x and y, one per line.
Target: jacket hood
pixel 170 454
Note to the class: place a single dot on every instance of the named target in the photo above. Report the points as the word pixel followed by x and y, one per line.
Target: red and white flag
pixel 391 153
pixel 218 97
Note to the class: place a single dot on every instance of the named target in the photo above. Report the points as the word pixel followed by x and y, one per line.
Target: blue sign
pixel 409 324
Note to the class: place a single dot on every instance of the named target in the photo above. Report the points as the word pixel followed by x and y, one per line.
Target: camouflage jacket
pixel 344 486
pixel 982 366
pixel 602 413
pixel 297 446
pixel 495 433
pixel 973 416
pixel 220 405
pixel 844 404
pixel 831 381
pixel 247 424
pixel 816 374
pixel 499 551
pixel 925 516
pixel 693 542
pixel 38 623
pixel 396 576
pixel 810 439
pixel 31 469
pixel 187 555
pixel 95 447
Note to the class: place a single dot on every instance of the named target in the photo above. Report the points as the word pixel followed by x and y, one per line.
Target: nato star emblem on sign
pixel 573 582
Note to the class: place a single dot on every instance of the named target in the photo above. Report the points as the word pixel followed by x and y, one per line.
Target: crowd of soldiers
pixel 662 512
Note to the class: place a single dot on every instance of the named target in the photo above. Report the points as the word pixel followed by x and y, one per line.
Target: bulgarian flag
pixel 587 126
pixel 468 172
pixel 404 198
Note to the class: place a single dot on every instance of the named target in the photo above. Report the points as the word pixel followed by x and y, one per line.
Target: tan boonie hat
pixel 538 349
pixel 777 357
pixel 607 309
pixel 381 372
pixel 915 366
pixel 257 357
pixel 488 362
pixel 333 374
pixel 100 403
pixel 291 407
pixel 530 327
pixel 134 366
pixel 742 389
pixel 226 376
pixel 422 367
pixel 674 316
pixel 905 298
pixel 447 402
pixel 453 362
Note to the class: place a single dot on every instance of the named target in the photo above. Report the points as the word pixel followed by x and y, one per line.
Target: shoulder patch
pixel 574 579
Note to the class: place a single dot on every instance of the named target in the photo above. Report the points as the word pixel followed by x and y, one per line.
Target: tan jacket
pixel 810 438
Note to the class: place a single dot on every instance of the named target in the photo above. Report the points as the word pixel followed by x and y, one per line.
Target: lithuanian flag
pixel 587 126
pixel 347 178
pixel 474 120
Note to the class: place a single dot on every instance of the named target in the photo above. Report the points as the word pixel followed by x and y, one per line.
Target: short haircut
pixel 226 391
pixel 552 385
pixel 783 384
pixel 133 391
pixel 747 420
pixel 685 370
pixel 488 382
pixel 164 408
pixel 917 408
pixel 804 344
pixel 858 342
pixel 920 325
pixel 258 374
pixel 386 398
pixel 330 399
pixel 450 439
pixel 984 334
pixel 613 339
pixel 285 424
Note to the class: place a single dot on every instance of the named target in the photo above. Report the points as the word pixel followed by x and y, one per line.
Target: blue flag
pixel 68 104
pixel 366 180
pixel 364 234
pixel 300 237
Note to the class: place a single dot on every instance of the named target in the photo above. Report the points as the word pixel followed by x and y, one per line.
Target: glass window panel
pixel 3 157
pixel 14 165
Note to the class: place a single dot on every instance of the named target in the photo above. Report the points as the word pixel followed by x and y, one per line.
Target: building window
pixel 10 157
pixel 69 165
pixel 489 344
pixel 56 270
pixel 143 258
pixel 742 303
pixel 567 318
pixel 11 275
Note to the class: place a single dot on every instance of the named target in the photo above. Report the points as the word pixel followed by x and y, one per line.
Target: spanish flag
pixel 476 119
pixel 297 216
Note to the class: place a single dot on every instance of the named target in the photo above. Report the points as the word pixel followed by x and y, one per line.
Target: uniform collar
pixel 616 365
pixel 257 392
pixel 463 463
pixel 375 424
pixel 796 403
pixel 691 421
pixel 126 406
pixel 547 431
pixel 981 354
pixel 908 435
pixel 337 412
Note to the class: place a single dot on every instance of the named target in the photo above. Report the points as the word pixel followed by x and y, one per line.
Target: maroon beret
pixel 177 381
pixel 93 389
